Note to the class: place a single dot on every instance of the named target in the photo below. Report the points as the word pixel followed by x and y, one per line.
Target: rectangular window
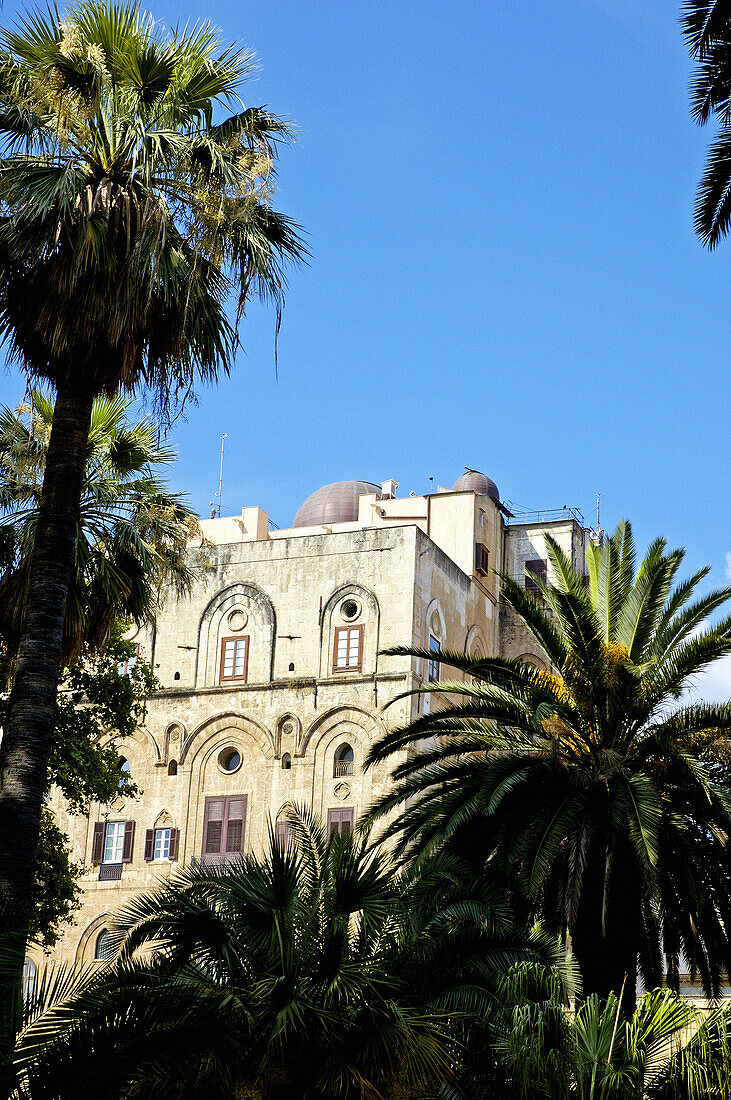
pixel 113 842
pixel 285 835
pixel 434 662
pixel 161 843
pixel 340 820
pixel 161 847
pixel 234 658
pixel 224 828
pixel 481 560
pixel 348 648
pixel 535 570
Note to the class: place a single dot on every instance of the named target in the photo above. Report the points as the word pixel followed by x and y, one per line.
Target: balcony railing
pixel 110 872
pixel 343 767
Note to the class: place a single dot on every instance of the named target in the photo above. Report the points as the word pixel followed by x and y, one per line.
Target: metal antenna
pixel 224 437
pixel 597 535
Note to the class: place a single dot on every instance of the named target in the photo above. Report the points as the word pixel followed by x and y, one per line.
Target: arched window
pixel 173 767
pixel 343 764
pixel 104 947
pixel 123 765
pixel 286 762
pixel 30 974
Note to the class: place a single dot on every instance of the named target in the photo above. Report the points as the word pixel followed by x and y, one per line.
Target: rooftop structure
pixel 275 678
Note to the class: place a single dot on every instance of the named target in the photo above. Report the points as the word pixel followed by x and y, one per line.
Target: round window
pixel 229 760
pixel 350 609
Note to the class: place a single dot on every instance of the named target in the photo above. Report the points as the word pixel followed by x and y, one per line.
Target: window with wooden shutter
pixel 235 823
pixel 149 844
pixel 129 836
pixel 174 843
pixel 284 834
pixel 482 567
pixel 348 649
pixel 340 820
pixel 535 570
pixel 97 844
pixel 224 827
pixel 234 658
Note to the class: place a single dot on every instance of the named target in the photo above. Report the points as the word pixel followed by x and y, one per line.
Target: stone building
pixel 275 682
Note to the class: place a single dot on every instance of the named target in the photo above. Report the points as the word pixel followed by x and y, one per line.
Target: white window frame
pixel 113 849
pixel 161 842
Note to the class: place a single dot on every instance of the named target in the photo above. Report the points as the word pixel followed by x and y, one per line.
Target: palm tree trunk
pixel 26 742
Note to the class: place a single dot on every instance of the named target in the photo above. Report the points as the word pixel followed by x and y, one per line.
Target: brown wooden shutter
pixel 333 821
pixel 340 820
pixel 173 848
pixel 535 570
pixel 213 826
pixel 149 844
pixel 235 824
pixel 97 844
pixel 129 835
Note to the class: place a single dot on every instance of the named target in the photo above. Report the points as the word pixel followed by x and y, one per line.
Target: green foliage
pixel 275 978
pixel 57 889
pixel 133 533
pixel 595 792
pixel 136 198
pixel 664 1048
pixel 707 28
pixel 101 701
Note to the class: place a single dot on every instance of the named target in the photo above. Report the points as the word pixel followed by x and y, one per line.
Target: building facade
pixel 275 680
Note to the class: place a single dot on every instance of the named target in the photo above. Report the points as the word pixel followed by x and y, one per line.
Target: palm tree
pixel 133 207
pixel 665 1048
pixel 598 790
pixel 274 978
pixel 133 533
pixel 707 28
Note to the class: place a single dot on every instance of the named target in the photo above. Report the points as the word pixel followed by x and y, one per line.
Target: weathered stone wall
pixel 288 595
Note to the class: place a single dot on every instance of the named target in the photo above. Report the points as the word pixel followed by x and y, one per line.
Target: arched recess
pixel 533 659
pixel 366 726
pixel 137 747
pixel 332 791
pixel 474 643
pixel 257 736
pixel 88 938
pixel 240 609
pixel 435 625
pixel 289 734
pixel 174 737
pixel 337 613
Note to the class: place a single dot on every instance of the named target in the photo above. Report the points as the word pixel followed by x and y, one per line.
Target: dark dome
pixel 472 481
pixel 336 503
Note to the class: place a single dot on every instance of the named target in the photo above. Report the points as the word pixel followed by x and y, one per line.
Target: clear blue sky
pixel 504 274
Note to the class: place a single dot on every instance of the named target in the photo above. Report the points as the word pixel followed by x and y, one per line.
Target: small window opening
pixel 104 948
pixel 30 974
pixel 173 767
pixel 123 765
pixel 286 762
pixel 176 676
pixel 434 647
pixel 291 666
pixel 229 760
pixel 343 764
